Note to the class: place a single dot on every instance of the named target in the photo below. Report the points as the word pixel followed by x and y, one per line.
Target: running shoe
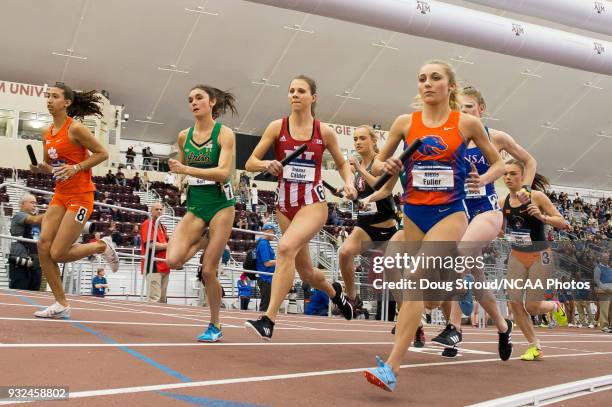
pixel 450 352
pixel 393 329
pixel 262 327
pixel 552 325
pixel 449 337
pixel 342 302
pixel 504 342
pixel 419 338
pixel 212 334
pixel 110 254
pixel 532 353
pixel 381 376
pixel 54 311
pixel 591 326
pixel 466 301
pixel 559 315
pixel 543 325
pixel 607 330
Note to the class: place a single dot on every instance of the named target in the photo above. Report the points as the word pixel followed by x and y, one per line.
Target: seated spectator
pixel 318 304
pixel 253 222
pixel 115 234
pixel 333 217
pixel 136 182
pixel 109 178
pixel 99 284
pixel 120 178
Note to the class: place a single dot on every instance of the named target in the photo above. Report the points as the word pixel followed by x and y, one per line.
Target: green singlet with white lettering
pixel 205 198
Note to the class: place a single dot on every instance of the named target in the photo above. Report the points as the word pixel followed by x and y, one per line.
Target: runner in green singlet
pixel 206 157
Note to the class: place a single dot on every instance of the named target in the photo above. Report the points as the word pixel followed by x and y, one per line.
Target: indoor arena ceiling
pixel 148 53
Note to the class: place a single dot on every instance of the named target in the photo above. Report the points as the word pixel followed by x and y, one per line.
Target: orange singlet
pixel 75 193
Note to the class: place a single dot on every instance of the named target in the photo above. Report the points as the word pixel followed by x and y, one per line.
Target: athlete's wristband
pixel 77 167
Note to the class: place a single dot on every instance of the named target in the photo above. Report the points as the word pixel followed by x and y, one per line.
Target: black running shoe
pixel 419 338
pixel 393 330
pixel 262 327
pixel 342 302
pixel 449 352
pixel 449 337
pixel 504 345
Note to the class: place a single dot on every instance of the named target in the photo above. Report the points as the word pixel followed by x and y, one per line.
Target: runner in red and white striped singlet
pixel 301 208
pixel 301 181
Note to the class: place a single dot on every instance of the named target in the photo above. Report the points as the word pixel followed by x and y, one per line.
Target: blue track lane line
pixel 126 349
pixel 207 402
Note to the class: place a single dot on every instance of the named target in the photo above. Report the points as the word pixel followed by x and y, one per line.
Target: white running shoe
pixel 110 254
pixel 591 326
pixel 55 311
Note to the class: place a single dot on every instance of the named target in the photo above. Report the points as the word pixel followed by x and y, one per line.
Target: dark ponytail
pixel 540 182
pixel 224 100
pixel 83 103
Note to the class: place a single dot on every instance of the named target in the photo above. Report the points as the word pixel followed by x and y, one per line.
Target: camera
pixel 20 261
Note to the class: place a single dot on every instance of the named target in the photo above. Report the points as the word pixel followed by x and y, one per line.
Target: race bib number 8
pixel 81 215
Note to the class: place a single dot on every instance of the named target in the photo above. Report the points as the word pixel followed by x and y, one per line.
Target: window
pixel 33 125
pixel 6 123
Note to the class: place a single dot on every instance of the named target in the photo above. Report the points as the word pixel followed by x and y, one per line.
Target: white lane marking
pixel 110 322
pixel 435 351
pixel 550 394
pixel 253 379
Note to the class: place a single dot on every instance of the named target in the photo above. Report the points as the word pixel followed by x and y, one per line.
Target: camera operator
pixel 24 267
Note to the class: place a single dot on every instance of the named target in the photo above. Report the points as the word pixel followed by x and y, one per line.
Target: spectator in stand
pixel 333 218
pixel 244 178
pixel 136 239
pixel 170 179
pixel 120 178
pixel 243 192
pixel 254 198
pixel 115 234
pixel 242 222
pixel 603 281
pixel 136 182
pixel 109 178
pixel 157 280
pixel 265 262
pixel 583 305
pixel 318 304
pixel 130 154
pixel 24 267
pixel 342 235
pixel 253 222
pixel 99 284
pixel 244 291
pixel 145 181
pixel 566 298
pixel 146 158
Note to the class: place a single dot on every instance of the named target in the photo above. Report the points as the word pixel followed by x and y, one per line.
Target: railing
pixel 104 205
